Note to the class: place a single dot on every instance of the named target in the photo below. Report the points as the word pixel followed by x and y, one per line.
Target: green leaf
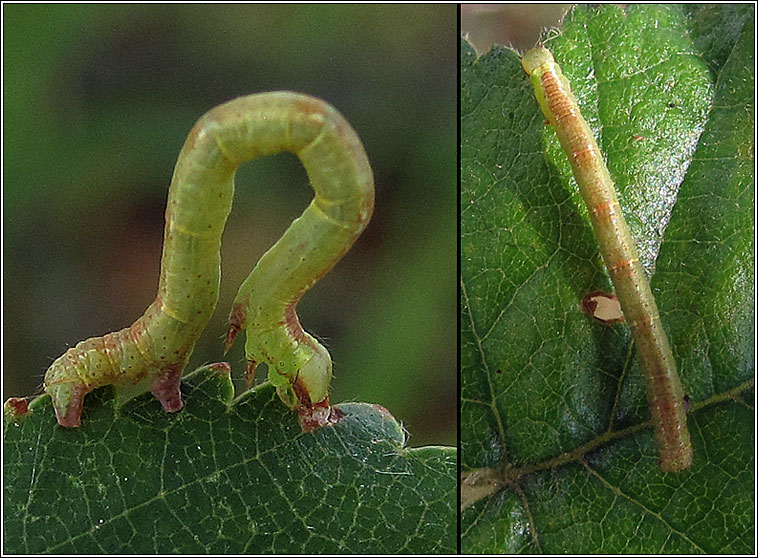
pixel 221 476
pixel 558 454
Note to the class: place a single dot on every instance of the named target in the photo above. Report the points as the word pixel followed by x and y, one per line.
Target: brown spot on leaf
pixel 604 307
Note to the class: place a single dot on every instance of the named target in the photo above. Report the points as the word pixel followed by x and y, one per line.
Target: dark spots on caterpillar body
pixel 617 246
pixel 199 202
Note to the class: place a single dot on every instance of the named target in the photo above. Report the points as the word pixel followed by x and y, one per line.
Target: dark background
pixel 98 100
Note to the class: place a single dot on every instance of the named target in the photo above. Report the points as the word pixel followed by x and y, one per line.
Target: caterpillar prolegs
pixel 663 386
pixel 158 345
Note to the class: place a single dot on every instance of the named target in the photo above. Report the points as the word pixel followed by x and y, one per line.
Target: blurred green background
pixel 98 101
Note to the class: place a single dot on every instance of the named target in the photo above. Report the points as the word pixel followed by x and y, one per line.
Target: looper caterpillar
pixel 157 346
pixel 663 386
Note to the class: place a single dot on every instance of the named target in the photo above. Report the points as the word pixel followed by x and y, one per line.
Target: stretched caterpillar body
pixel 664 389
pixel 157 346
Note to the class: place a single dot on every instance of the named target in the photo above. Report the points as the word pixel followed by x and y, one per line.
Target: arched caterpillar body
pixel 157 346
pixel 663 386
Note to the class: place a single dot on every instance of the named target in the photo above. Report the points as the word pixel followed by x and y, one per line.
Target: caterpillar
pixel 156 347
pixel 663 386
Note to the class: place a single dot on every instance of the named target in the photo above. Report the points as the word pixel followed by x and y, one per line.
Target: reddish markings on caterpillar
pixel 604 307
pixel 663 386
pixel 157 346
pixel 315 415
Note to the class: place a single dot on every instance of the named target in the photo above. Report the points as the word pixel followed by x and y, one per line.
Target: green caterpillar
pixel 156 348
pixel 664 388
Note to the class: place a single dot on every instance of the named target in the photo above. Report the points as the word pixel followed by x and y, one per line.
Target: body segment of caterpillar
pixel 663 386
pixel 158 345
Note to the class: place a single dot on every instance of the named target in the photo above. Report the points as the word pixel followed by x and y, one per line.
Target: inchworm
pixel 157 346
pixel 664 389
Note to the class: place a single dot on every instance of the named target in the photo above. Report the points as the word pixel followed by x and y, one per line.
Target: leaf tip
pixel 16 408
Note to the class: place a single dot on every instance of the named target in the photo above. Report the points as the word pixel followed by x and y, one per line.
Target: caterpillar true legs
pixel 663 386
pixel 158 345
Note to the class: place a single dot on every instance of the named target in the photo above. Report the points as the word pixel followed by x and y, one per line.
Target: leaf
pixel 558 454
pixel 222 476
